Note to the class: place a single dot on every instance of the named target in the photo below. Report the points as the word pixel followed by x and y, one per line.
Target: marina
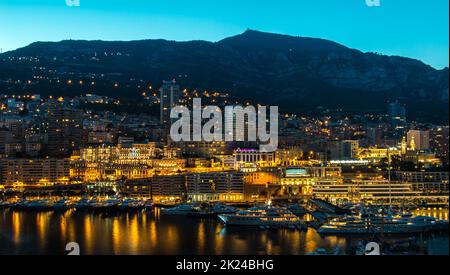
pixel 132 226
pixel 94 204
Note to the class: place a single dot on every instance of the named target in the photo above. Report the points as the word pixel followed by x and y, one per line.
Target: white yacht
pixel 132 205
pixel 110 204
pixel 378 224
pixel 266 216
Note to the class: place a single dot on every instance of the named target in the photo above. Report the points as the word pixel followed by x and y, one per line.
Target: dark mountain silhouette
pixel 296 73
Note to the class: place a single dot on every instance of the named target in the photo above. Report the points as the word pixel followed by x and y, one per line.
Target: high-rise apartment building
pixel 343 149
pixel 397 117
pixel 170 95
pixel 34 171
pixel 224 186
pixel 439 137
pixel 65 129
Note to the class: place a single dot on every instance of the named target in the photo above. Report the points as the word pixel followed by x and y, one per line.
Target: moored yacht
pixel 5 204
pixel 181 209
pixel 132 205
pixel 108 205
pixel 207 210
pixel 379 224
pixel 221 208
pixel 266 216
pixel 85 203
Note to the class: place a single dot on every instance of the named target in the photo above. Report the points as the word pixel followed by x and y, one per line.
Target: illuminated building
pixel 108 171
pixel 431 185
pixel 397 116
pixel 201 163
pixel 300 181
pixel 65 126
pixel 204 148
pixel 159 188
pixel 418 140
pixel 378 191
pixel 376 154
pixel 124 161
pixel 437 177
pixel 439 138
pixel 171 152
pixel 253 158
pixel 375 136
pixel 257 184
pixel 343 150
pixel 105 162
pixel 289 156
pixel 124 140
pixel 225 186
pixel 98 154
pixel 169 164
pixel 425 157
pixel 140 188
pixel 100 137
pixel 168 188
pixel 324 171
pixel 261 178
pixel 227 161
pixel 34 171
pixel 404 146
pixel 135 153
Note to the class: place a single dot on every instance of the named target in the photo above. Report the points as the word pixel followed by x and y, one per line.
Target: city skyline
pixel 309 133
pixel 391 29
pixel 67 156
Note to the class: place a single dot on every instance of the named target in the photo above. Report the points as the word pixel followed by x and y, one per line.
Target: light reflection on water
pixel 153 234
pixel 439 213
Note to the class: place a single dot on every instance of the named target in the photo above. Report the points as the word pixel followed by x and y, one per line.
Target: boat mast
pixel 389 177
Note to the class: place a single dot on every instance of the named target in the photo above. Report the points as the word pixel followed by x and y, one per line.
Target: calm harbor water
pixel 155 234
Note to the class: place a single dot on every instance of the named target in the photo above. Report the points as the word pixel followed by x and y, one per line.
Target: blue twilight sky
pixel 412 28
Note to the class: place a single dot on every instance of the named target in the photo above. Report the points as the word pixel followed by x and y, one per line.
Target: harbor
pixel 117 225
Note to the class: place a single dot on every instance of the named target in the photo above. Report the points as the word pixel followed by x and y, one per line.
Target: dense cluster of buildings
pixel 53 144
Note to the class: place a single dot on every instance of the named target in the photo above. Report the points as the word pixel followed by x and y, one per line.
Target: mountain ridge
pixel 296 73
pixel 244 34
